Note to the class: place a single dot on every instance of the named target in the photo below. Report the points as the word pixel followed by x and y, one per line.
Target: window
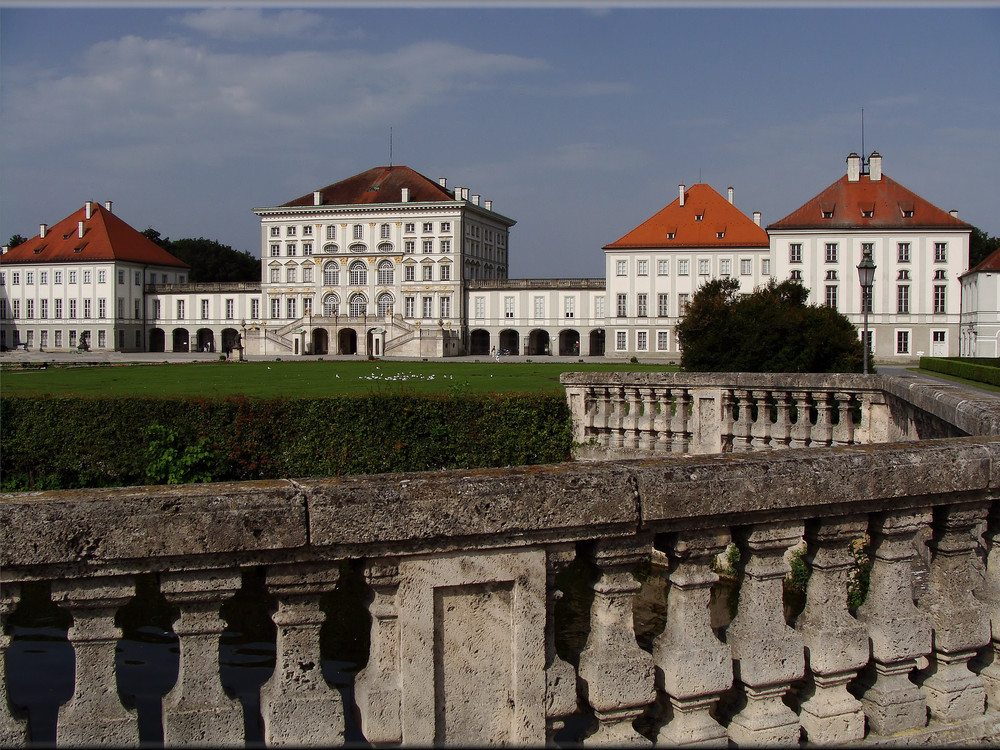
pixel 866 299
pixel 445 226
pixel 409 273
pixel 446 307
pixel 58 337
pixel 136 309
pixel 703 267
pixel 331 232
pixel 331 305
pixel 831 297
pixel 275 231
pixel 72 308
pixel 385 273
pixel 641 340
pixel 699 217
pixel 903 252
pixel 410 246
pixel 410 306
pixel 428 307
pixel 291 249
pixel 445 246
pixel 102 277
pixel 428 227
pixel 43 277
pixel 29 277
pixel 290 306
pixel 428 246
pixel 58 308
pixel 72 277
pixel 230 309
pixel 939 298
pixel 831 275
pixel 290 274
pixel 204 309
pixel 43 339
pixel 138 278
pixel 902 342
pixel 831 252
pixel 43 311
pixel 358 274
pixel 3 279
pixel 746 266
pixel 622 305
pixel 383 231
pixel 331 274
pixel 621 268
pixel 903 275
pixel 642 305
pixel 940 275
pixel 663 305
pixel 16 308
pixel 275 250
pixel 940 252
pixel 383 305
pixel 662 341
pixel 409 227
pixel 598 307
pixel 795 275
pixel 445 273
pixel 255 308
pixel 427 272
pixel 307 230
pixel 508 307
pixel 307 248
pixel 569 307
pixel 87 277
pixel 121 277
pixel 903 298
pixel 275 275
pixel 120 308
pixel 102 308
pixel 307 274
pixel 663 267
pixel 180 309
pixel 621 341
pixel 357 247
pixel 102 339
pixel 682 268
pixel 479 305
pixel 88 308
pixel 15 277
pixel 72 338
pixel 725 267
pixel 539 307
pixel 682 303
pixel 359 231
pixel 275 309
pixel 642 267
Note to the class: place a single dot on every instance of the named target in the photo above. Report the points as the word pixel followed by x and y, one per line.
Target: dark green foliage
pixel 771 329
pixel 67 442
pixel 15 240
pixel 978 369
pixel 980 246
pixel 209 260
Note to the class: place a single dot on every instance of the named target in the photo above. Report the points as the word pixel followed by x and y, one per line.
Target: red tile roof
pixel 105 238
pixel 991 263
pixel 887 200
pixel 718 216
pixel 378 185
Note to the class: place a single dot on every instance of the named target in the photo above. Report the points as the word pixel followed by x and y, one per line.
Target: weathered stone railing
pixel 477 632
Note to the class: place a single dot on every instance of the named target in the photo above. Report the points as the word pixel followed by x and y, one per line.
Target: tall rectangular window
pixel 682 268
pixel 903 252
pixel 765 266
pixel 445 273
pixel 621 341
pixel 569 307
pixel 43 308
pixel 359 231
pixel 621 268
pixel 409 306
pixel 663 267
pixel 703 267
pixel 508 307
pixel 939 298
pixel 641 340
pixel 831 252
pixel 29 308
pixel 156 309
pixel 204 309
pixel 102 308
pixel 539 307
pixel 446 307
pixel 663 305
pixel 940 252
pixel 331 232
pixel 599 307
pixel 795 252
pixel 255 308
pixel 903 298
pixel 642 267
pixel 902 342
pixel 662 341
pixel 479 306
pixel 682 303
pixel 58 308
pixel 725 267
pixel 290 307
pixel 275 309
pixel 642 304
pixel 180 309
pixel 428 303
pixel 622 307
pixel 831 297
pixel 746 266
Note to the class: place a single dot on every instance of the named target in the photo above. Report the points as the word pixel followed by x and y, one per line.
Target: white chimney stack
pixel 79 229
pixel 730 196
pixel 42 229
pixel 317 198
pixel 489 205
pixel 5 250
pixel 465 194
pixel 875 166
pixel 405 198
pixel 90 210
pixel 954 213
pixel 680 191
pixel 475 199
pixel 107 206
pixel 443 182
pixel 756 218
pixel 853 167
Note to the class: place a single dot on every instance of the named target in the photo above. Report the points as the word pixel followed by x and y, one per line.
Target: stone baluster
pixel 961 620
pixel 631 418
pixel 95 714
pixel 727 402
pixel 602 416
pixel 768 654
pixel 616 419
pixel 760 431
pixel 802 427
pixel 899 632
pixel 617 675
pixel 990 592
pixel 297 705
pixel 13 727
pixel 560 677
pixel 781 430
pixel 663 419
pixel 647 423
pixel 680 437
pixel 693 666
pixel 843 432
pixel 197 710
pixel 822 434
pixel 744 423
pixel 836 643
pixel 378 690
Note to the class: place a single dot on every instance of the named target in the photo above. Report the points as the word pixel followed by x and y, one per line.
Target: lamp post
pixel 866 275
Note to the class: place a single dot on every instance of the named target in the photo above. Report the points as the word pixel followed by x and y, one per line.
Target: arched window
pixel 385 247
pixel 385 303
pixel 385 273
pixel 359 273
pixel 331 305
pixel 331 274
pixel 358 305
pixel 330 247
pixel 358 247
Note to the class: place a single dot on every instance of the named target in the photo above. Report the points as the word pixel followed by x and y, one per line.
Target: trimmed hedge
pixel 979 369
pixel 55 442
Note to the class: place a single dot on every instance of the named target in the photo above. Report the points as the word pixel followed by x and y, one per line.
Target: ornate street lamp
pixel 866 275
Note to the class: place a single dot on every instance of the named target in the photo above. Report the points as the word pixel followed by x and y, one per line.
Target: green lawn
pixel 301 378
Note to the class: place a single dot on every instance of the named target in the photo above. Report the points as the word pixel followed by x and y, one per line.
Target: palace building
pixel 391 263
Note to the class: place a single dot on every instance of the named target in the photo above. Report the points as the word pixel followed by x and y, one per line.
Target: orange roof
pixel 868 204
pixel 991 263
pixel 105 238
pixel 377 185
pixel 678 226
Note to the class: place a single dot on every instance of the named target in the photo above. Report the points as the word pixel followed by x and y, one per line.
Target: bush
pixel 978 369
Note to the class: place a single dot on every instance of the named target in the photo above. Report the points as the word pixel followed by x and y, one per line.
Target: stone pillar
pixel 760 431
pixel 781 430
pixel 961 620
pixel 599 420
pixel 378 690
pixel 630 417
pixel 13 728
pixel 899 632
pixel 726 421
pixel 693 666
pixel 836 643
pixel 616 419
pixel 647 422
pixel 680 434
pixel 297 705
pixel 95 714
pixel 843 432
pixel 769 655
pixel 662 420
pixel 197 710
pixel 617 675
pixel 744 423
pixel 802 427
pixel 823 432
pixel 560 677
pixel 990 675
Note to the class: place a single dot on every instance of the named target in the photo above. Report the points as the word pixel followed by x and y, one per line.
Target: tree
pixel 209 260
pixel 772 329
pixel 980 246
pixel 15 240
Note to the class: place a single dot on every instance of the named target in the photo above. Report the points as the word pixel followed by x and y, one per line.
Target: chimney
pixel 875 166
pixel 954 213
pixel 489 205
pixel 405 197
pixel 465 194
pixel 853 167
pixel 730 196
pixel 107 206
pixel 680 190
pixel 475 199
pixel 317 198
pixel 42 229
pixel 5 249
pixel 79 229
pixel 443 182
pixel 90 210
pixel 756 218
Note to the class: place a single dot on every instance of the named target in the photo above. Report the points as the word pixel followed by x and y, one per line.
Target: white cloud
pixel 250 23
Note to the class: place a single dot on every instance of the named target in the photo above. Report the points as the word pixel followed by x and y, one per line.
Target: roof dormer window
pixel 867 213
pixel 720 235
pixel 828 214
pixel 699 217
pixel 907 213
pixel 671 235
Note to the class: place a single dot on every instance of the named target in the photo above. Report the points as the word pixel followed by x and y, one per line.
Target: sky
pixel 578 120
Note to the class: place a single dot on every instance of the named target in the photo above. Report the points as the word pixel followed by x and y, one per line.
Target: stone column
pixel 661 423
pixel 630 417
pixel 378 690
pixel 647 422
pixel 297 705
pixel 990 675
pixel 616 419
pixel 197 710
pixel 802 427
pixel 961 620
pixel 95 714
pixel 823 432
pixel 836 643
pixel 760 431
pixel 617 675
pixel 693 666
pixel 744 423
pixel 899 632
pixel 599 419
pixel 769 655
pixel 560 677
pixel 726 403
pixel 13 728
pixel 843 432
pixel 781 430
pixel 680 431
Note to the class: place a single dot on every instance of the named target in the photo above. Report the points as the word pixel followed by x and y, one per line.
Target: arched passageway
pixel 347 341
pixel 569 343
pixel 597 342
pixel 181 340
pixel 510 342
pixel 479 342
pixel 157 340
pixel 320 341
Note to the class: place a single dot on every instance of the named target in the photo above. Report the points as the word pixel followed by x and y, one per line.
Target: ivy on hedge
pixel 59 442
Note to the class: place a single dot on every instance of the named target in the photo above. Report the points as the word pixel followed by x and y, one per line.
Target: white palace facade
pixel 391 263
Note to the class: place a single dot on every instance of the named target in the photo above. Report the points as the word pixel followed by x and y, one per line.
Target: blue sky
pixel 576 120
